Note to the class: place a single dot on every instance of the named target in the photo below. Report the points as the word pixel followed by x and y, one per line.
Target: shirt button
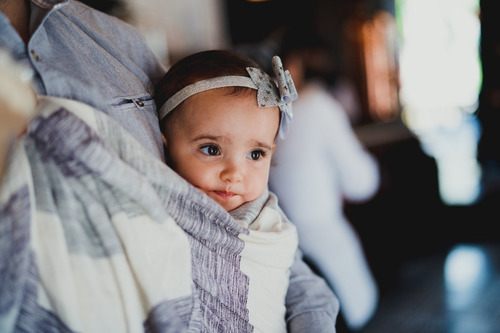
pixel 35 56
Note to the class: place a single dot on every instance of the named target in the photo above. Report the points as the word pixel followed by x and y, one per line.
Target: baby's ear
pixel 165 147
pixel 164 140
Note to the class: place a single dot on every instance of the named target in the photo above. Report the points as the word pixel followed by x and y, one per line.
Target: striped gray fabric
pixel 98 235
pixel 70 176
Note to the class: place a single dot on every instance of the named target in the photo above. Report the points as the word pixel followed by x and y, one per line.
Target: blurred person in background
pixel 316 169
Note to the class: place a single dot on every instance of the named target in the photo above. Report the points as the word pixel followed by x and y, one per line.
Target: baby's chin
pixel 229 206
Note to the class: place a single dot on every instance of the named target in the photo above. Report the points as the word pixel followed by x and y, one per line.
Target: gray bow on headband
pixel 269 95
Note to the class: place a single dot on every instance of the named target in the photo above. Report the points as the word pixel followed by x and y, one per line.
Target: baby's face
pixel 223 145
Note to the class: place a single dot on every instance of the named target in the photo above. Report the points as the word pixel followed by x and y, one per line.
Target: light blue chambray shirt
pixel 85 55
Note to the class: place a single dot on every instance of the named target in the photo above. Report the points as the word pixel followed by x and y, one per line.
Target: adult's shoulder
pixel 73 16
pixel 95 18
pixel 118 38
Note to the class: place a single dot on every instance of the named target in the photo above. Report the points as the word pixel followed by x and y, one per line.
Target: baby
pixel 221 116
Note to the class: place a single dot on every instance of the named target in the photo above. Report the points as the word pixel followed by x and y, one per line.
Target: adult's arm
pixel 311 305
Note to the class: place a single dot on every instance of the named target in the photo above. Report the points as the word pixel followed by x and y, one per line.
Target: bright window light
pixel 440 75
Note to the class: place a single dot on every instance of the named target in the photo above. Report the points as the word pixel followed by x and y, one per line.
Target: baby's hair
pixel 200 66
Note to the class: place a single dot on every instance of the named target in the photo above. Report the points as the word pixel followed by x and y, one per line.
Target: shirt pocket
pixel 137 114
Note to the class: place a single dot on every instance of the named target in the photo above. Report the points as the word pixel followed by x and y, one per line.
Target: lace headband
pixel 268 94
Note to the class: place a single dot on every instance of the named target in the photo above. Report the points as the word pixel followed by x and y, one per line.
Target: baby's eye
pixel 256 154
pixel 211 150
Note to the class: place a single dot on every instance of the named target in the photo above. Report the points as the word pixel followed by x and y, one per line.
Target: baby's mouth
pixel 225 194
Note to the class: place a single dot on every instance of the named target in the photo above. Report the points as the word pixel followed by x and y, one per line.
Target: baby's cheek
pixel 202 179
pixel 257 188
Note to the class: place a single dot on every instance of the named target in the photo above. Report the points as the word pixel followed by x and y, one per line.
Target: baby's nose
pixel 232 172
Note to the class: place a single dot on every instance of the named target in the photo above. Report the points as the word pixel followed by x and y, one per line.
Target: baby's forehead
pixel 210 100
pixel 220 110
pixel 222 100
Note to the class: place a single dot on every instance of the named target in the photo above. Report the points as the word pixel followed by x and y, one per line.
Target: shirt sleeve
pixel 311 305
